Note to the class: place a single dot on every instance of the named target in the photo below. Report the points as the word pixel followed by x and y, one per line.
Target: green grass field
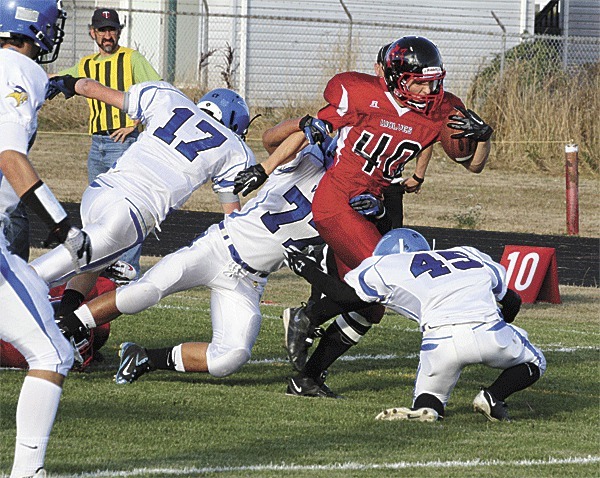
pixel 171 424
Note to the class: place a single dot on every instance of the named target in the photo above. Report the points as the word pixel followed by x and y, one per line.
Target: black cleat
pixel 495 410
pixel 307 387
pixel 299 333
pixel 134 363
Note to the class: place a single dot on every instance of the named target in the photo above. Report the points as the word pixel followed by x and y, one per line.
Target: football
pixel 461 149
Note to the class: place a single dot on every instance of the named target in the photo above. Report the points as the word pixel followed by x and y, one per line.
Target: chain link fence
pixel 278 60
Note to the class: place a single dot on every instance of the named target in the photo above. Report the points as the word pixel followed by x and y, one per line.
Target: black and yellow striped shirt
pixel 115 72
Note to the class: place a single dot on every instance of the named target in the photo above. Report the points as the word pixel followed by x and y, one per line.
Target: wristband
pixel 41 200
pixel 418 179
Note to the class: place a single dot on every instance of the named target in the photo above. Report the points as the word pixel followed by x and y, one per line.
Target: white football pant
pixel 234 304
pixel 27 318
pixel 114 225
pixel 446 350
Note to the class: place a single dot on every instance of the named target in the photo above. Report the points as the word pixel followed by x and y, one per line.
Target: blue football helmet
pixel 401 240
pixel 41 20
pixel 227 107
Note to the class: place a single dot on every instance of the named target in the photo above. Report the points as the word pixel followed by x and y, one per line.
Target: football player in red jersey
pixel 382 123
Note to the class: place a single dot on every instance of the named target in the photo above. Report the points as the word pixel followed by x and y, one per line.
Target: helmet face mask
pixel 227 107
pixel 39 20
pixel 401 240
pixel 415 59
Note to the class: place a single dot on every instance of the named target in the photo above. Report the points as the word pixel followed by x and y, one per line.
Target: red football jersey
pixel 377 136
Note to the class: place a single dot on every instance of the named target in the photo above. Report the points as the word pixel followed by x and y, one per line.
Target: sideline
pixel 186 471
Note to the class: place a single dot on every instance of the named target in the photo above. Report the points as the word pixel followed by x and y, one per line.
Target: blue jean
pixel 104 152
pixel 16 232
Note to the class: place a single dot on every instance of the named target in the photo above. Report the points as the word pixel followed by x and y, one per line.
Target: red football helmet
pixel 415 58
pixel 11 357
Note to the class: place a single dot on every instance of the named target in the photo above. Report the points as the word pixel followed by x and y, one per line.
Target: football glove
pixel 368 205
pixel 300 263
pixel 471 126
pixel 79 246
pixel 315 129
pixel 61 84
pixel 77 334
pixel 249 179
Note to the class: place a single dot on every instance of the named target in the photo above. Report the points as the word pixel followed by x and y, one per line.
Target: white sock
pixel 36 411
pixel 85 315
pixel 177 358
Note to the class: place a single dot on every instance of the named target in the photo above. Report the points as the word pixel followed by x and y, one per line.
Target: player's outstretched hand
pixel 300 263
pixel 61 84
pixel 316 130
pixel 368 205
pixel 249 179
pixel 470 125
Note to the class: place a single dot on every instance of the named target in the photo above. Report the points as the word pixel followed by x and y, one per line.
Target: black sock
pixel 70 302
pixel 514 379
pixel 331 346
pixel 426 400
pixel 161 359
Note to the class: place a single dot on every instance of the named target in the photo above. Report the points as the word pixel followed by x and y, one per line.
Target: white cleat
pixel 402 413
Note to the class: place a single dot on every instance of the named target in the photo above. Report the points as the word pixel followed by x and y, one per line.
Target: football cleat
pixel 308 387
pixel 494 410
pixel 299 336
pixel 402 413
pixel 134 363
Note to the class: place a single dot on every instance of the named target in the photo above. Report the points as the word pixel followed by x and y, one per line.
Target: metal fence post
pixel 503 53
pixel 349 41
pixel 171 40
pixel 572 180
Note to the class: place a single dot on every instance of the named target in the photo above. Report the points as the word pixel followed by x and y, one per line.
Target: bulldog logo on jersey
pixel 19 95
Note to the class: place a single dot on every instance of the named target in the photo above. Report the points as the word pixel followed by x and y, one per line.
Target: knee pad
pixel 221 364
pixel 137 296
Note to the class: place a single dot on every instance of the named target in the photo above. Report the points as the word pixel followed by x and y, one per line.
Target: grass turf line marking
pixel 340 466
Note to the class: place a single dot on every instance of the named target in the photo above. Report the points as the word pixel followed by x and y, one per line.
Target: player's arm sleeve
pixel 366 281
pixel 511 305
pixel 16 118
pixel 497 271
pixel 137 99
pixel 224 181
pixel 339 111
pixel 142 70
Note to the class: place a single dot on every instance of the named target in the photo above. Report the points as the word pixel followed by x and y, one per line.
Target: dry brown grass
pixel 535 115
pixel 506 201
pixel 522 188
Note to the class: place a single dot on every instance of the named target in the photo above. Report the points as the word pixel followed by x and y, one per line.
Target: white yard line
pixel 584 460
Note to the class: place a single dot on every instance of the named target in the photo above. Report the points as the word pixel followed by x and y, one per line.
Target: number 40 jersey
pixel 181 148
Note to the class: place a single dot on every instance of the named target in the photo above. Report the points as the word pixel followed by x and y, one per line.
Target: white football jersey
pixel 433 287
pixel 181 148
pixel 22 91
pixel 280 215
